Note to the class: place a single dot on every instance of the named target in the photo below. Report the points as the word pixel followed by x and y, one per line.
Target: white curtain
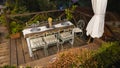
pixel 95 27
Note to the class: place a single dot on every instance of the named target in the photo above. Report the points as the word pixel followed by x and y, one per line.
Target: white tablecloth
pixel 44 28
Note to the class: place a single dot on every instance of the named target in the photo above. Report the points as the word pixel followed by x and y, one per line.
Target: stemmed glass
pixel 34 27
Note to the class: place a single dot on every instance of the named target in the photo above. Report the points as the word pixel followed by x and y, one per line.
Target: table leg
pixel 29 47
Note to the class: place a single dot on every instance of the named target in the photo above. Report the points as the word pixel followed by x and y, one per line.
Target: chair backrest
pixel 81 24
pixel 48 33
pixel 51 34
pixel 32 37
pixel 60 30
pixel 68 30
pixel 37 36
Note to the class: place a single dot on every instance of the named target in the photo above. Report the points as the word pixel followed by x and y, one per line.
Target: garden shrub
pixel 72 58
pixel 107 56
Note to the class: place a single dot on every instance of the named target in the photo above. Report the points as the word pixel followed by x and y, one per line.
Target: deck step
pixel 41 62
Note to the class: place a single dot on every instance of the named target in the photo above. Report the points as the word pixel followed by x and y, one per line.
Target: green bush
pixel 2 19
pixel 107 56
pixel 8 66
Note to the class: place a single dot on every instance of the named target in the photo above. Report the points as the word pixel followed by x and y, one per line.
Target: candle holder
pixel 50 22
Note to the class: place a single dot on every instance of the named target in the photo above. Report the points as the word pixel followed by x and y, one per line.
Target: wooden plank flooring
pixel 19 53
pixel 42 63
pixel 13 55
pixel 4 47
pixel 4 54
pixel 25 50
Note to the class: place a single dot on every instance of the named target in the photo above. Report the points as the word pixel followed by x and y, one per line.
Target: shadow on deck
pixel 19 53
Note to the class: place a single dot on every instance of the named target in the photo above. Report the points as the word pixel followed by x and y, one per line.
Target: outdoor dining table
pixel 27 32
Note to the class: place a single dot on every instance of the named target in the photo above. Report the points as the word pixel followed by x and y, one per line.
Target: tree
pixel 46 5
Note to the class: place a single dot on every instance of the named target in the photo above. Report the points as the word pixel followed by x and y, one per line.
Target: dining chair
pixel 37 42
pixel 51 39
pixel 66 35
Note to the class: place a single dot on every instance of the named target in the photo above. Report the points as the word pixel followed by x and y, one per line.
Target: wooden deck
pixel 42 63
pixel 19 53
pixel 4 54
pixel 4 47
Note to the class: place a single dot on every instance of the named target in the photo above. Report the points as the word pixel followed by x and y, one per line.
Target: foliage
pixel 28 67
pixel 19 10
pixel 46 5
pixel 10 4
pixel 107 56
pixel 8 66
pixel 15 7
pixel 69 12
pixel 15 27
pixel 72 58
pixel 30 5
pixel 2 19
pixel 40 17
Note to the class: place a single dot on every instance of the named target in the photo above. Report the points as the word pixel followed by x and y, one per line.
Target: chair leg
pixel 71 42
pixel 89 40
pixel 45 51
pixel 61 44
pixel 58 47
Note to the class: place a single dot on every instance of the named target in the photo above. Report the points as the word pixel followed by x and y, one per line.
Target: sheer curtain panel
pixel 95 27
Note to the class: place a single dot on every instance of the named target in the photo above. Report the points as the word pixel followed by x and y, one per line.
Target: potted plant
pixel 15 30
